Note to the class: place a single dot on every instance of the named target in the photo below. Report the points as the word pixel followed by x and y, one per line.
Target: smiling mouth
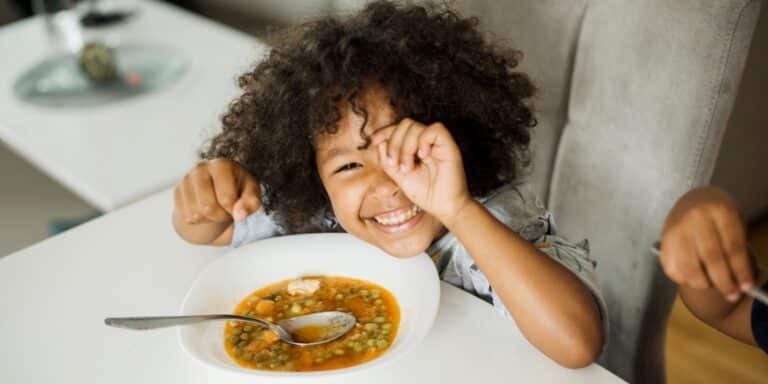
pixel 397 217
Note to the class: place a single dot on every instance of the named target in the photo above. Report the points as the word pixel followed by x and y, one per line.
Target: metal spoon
pixel 336 323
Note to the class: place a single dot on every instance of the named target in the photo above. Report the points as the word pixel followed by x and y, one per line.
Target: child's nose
pixel 383 186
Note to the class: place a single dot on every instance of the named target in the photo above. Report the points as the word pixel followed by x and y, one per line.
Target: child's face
pixel 366 202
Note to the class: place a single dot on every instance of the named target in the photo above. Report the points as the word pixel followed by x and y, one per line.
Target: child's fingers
pixel 718 269
pixel 207 206
pixel 410 146
pixel 387 163
pixel 225 186
pixel 382 134
pixel 395 141
pixel 733 239
pixel 178 202
pixel 428 139
pixel 187 192
pixel 249 201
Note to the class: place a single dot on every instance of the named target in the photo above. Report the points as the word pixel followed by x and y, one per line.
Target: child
pixel 401 126
pixel 704 250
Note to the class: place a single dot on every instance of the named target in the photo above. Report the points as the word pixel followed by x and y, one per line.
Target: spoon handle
pixel 153 322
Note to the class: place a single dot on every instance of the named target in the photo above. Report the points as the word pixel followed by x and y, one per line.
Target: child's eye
pixel 347 167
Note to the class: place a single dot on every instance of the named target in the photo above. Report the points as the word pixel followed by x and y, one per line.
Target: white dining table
pixel 112 154
pixel 56 294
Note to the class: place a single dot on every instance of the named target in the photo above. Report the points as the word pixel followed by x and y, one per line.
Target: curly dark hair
pixel 436 67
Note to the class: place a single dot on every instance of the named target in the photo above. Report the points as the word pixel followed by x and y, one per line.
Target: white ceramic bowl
pixel 228 280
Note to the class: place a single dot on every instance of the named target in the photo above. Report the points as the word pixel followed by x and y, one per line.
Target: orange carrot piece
pixel 265 307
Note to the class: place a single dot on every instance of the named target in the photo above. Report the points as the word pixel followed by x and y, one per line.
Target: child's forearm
pixel 553 309
pixel 204 233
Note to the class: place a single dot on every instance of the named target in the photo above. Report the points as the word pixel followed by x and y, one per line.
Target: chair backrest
pixel 635 98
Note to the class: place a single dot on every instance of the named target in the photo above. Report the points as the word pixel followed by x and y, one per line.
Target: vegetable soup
pixel 374 307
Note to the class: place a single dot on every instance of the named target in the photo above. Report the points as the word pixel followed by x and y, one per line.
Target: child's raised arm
pixel 210 198
pixel 704 251
pixel 551 306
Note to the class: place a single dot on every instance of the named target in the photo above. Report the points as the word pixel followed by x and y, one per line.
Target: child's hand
pixel 217 191
pixel 704 244
pixel 425 162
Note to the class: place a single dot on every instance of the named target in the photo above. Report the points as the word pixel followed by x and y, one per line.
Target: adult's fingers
pixel 680 261
pixel 733 239
pixel 717 267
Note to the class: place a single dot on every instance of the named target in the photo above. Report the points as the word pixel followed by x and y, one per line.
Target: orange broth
pixel 375 309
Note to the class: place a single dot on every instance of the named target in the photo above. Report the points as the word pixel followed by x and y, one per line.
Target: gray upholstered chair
pixel 635 98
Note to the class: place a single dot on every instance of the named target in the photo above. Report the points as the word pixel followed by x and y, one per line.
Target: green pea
pixel 338 351
pixel 282 357
pixel 386 325
pixel 296 308
pixel 238 352
pixel 247 356
pixel 242 343
pixel 382 344
pixel 375 293
pixel 248 328
pixel 339 297
pixel 358 347
pixel 234 339
pixel 309 302
pixel 319 360
pixel 236 331
pixel 371 343
pixel 278 298
pixel 379 319
pixel 273 365
pixel 371 327
pixel 364 292
pixel 244 336
pixel 378 302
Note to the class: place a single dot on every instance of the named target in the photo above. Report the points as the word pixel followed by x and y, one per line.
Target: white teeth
pixel 397 218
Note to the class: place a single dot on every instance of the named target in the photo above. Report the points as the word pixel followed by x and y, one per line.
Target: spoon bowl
pixel 311 329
